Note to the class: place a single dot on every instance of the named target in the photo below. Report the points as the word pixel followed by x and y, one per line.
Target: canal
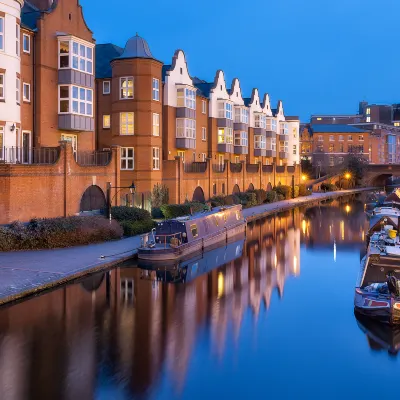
pixel 270 316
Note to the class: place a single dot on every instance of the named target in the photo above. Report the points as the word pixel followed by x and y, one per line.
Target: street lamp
pixel 347 175
pixel 132 189
pixel 304 177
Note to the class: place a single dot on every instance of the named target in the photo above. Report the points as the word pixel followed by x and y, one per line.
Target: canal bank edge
pixel 251 214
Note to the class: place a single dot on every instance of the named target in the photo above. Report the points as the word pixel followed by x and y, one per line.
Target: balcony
pixel 259 131
pixel 270 153
pixel 291 169
pixel 280 169
pixel 185 143
pixel 270 134
pixel 236 167
pixel 241 150
pixel 184 112
pixel 260 152
pixel 268 169
pixel 252 168
pixel 193 167
pixel 73 122
pixel 283 154
pixel 93 158
pixel 21 155
pixel 225 123
pixel 225 148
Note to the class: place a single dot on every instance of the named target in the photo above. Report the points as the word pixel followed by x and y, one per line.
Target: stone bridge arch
pixel 378 174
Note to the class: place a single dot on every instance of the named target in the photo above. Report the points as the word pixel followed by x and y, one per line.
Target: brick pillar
pixel 274 174
pixel 228 177
pixel 210 173
pixel 65 154
pixel 244 175
pixel 116 172
pixel 260 173
pixel 179 174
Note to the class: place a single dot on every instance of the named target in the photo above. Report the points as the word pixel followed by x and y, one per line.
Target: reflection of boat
pixel 181 236
pixel 380 336
pixel 189 269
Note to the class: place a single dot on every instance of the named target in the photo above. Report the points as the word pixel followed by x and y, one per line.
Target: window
pixel 284 128
pixel 193 229
pixel 26 43
pixel 340 147
pixel 260 142
pixel 221 160
pixel 283 146
pixel 18 39
pixel 242 115
pixel 106 121
pixel 156 158
pixel 350 138
pixel 156 89
pixel 126 123
pixel 186 98
pixel 225 135
pixel 127 158
pixel 18 90
pixel 203 157
pixel 331 148
pixel 320 138
pixel 2 91
pixel 2 33
pixel 340 160
pixel 1 141
pixel 273 144
pixel 396 124
pixel 256 160
pixel 181 154
pixel 225 110
pixel 341 138
pixel 126 88
pixel 331 161
pixel 319 119
pixel 156 124
pixel 368 111
pixel 203 107
pixel 294 149
pixel 26 92
pixel 73 139
pixel 237 159
pixel 80 58
pixel 75 100
pixel 361 138
pixel 260 121
pixel 203 134
pixel 106 87
pixel 241 139
pixel 331 138
pixel 368 119
pixel 186 128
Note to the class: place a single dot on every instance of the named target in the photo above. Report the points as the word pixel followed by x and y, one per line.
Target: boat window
pixel 238 216
pixel 193 229
pixel 216 220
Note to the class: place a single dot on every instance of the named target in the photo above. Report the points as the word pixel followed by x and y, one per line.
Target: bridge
pixel 377 174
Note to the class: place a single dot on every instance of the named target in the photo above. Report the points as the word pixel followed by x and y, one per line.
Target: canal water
pixel 270 316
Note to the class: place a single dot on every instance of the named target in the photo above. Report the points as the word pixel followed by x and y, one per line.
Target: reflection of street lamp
pixel 132 189
pixel 347 208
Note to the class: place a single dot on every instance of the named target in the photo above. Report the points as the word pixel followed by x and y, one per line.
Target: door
pixel 181 154
pixel 26 144
pixel 73 139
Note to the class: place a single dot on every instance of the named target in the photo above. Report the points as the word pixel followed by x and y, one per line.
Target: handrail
pixel 195 166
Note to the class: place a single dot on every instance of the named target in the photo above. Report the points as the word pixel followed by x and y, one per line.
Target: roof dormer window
pixel 186 97
pixel 260 120
pixel 225 110
pixel 241 115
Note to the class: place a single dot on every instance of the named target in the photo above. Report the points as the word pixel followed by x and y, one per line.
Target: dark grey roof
pixel 29 16
pixel 104 54
pixel 165 69
pixel 136 47
pixel 336 128
pixel 247 101
pixel 203 88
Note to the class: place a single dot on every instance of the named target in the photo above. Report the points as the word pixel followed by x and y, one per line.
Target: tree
pixel 159 196
pixel 356 166
pixel 306 167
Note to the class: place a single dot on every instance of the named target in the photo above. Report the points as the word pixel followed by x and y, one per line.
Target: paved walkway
pixel 26 272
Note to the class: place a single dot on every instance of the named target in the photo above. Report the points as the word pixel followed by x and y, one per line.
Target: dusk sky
pixel 316 56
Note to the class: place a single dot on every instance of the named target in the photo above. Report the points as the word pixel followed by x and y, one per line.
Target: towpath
pixel 28 272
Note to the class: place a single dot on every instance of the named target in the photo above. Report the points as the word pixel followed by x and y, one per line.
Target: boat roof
pixel 376 220
pixel 200 215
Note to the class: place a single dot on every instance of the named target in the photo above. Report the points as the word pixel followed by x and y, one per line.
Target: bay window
pixel 271 125
pixel 127 158
pixel 242 115
pixel 2 33
pixel 225 135
pixel 76 55
pixel 186 97
pixel 126 120
pixel 126 87
pixel 283 146
pixel 186 128
pixel 273 144
pixel 284 128
pixel 225 110
pixel 2 91
pixel 156 158
pixel 260 142
pixel 75 100
pixel 260 121
pixel 241 139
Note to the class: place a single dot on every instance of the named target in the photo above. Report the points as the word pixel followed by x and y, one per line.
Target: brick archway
pixel 198 195
pixel 93 199
pixel 269 187
pixel 235 189
pixel 251 187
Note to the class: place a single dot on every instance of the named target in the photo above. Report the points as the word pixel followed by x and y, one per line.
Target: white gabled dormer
pixel 241 111
pixel 219 98
pixel 255 108
pixel 266 105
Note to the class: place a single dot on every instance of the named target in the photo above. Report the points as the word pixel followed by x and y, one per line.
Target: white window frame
pixel 18 39
pixel 2 35
pixel 186 128
pixel 284 128
pixel 368 119
pixel 76 101
pixel 156 89
pixel 294 149
pixel 73 139
pixel 260 142
pixel 241 139
pixel 126 80
pixel 105 125
pixel 241 115
pixel 203 133
pixel 204 107
pixel 18 90
pixel 260 120
pixel 273 144
pixel 25 98
pixel 331 138
pixel 186 97
pixel 125 158
pixel 341 138
pixel 181 154
pixel 156 124
pixel 88 60
pixel 3 86
pixel 271 124
pixel 340 160
pixel 225 110
pixel 350 138
pixel 360 138
pixel 124 122
pixel 104 87
pixel 237 159
pixel 203 157
pixel 26 39
pixel 156 158
pixel 225 135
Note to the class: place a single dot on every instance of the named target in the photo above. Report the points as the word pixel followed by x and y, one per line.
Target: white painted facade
pixel 219 92
pixel 236 93
pixel 10 61
pixel 255 107
pixel 294 140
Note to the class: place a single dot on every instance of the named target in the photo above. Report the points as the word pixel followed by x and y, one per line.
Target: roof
pixel 165 69
pixel 136 47
pixel 292 118
pixel 104 54
pixel 247 101
pixel 29 16
pixel 203 88
pixel 336 128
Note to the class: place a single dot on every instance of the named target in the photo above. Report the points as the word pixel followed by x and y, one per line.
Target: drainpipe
pixel 34 119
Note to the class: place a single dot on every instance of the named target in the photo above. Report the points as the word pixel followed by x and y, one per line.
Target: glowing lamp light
pixel 303 177
pixel 347 175
pixel 348 208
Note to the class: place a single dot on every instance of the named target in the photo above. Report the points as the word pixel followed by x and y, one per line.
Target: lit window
pixel 361 138
pixel 127 158
pixel 156 124
pixel 193 229
pixel 203 107
pixel 241 139
pixel 126 123
pixel 225 135
pixel 186 128
pixel 341 138
pixel 2 33
pixel 331 161
pixel 75 55
pixel 2 91
pixel 331 138
pixel 126 88
pixel 242 115
pixel 237 159
pixel 181 154
pixel 18 90
pixel 106 87
pixel 186 98
pixel 368 119
pixel 260 142
pixel 156 89
pixel 26 43
pixel 26 92
pixel 397 124
pixel 283 146
pixel 225 110
pixel 260 121
pixel 368 112
pixel 156 158
pixel 203 134
pixel 350 138
pixel 75 100
pixel 319 119
pixel 256 160
pixel 106 121
pixel 18 39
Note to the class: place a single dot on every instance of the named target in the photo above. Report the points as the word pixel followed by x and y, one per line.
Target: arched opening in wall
pixel 269 187
pixel 381 180
pixel 93 199
pixel 198 195
pixel 93 283
pixel 251 187
pixel 235 189
pixel 214 190
pixel 223 189
pixel 279 183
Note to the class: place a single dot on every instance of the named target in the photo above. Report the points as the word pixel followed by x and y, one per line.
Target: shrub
pixel 217 201
pixel 58 232
pixel 122 213
pixel 229 200
pixel 328 187
pixel 303 191
pixel 156 213
pixel 296 191
pixel 159 195
pixel 138 227
pixel 271 197
pixel 248 199
pixel 179 210
pixel 280 197
pixel 285 191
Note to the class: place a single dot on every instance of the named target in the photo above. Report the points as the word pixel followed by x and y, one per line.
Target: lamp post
pixel 132 189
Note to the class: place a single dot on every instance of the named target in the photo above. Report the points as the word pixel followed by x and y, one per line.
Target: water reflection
pixel 133 332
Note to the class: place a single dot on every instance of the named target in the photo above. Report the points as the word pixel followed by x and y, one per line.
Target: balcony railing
pixel 291 169
pixel 194 166
pixel 267 168
pixel 252 168
pixel 93 158
pixel 236 167
pixel 32 155
pixel 280 169
pixel 218 168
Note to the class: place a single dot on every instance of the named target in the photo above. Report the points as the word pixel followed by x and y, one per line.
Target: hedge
pixel 138 227
pixel 284 190
pixel 303 191
pixel 122 213
pixel 328 187
pixel 229 200
pixel 247 199
pixel 179 210
pixel 271 197
pixel 58 232
pixel 157 213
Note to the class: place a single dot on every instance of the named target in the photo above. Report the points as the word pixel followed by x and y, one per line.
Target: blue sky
pixel 317 56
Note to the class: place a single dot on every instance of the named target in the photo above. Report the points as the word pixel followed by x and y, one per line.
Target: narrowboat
pixel 175 238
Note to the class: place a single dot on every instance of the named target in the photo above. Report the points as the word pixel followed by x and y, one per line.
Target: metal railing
pixel 218 168
pixel 291 169
pixel 195 167
pixel 32 155
pixel 236 167
pixel 93 158
pixel 252 168
pixel 268 168
pixel 280 169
